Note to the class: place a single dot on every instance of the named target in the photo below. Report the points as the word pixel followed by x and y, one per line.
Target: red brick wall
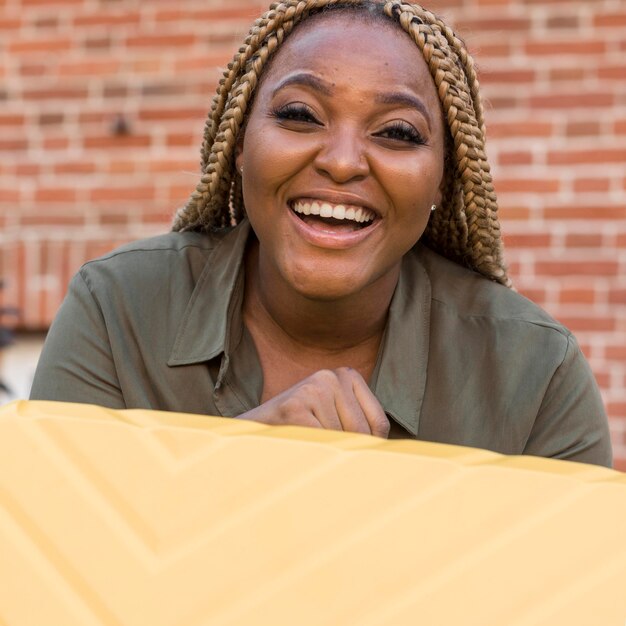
pixel 553 75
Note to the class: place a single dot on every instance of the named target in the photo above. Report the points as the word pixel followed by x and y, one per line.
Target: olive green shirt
pixel 157 324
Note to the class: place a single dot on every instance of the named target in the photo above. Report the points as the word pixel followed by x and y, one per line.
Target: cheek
pixel 273 155
pixel 412 183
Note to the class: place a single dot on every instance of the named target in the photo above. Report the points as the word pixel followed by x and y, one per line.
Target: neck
pixel 316 326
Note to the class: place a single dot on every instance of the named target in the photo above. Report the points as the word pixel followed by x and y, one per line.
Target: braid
pixel 465 227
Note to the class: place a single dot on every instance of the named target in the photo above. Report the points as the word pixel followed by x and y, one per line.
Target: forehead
pixel 343 45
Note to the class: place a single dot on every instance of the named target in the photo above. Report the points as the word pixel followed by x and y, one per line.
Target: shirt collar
pixel 212 299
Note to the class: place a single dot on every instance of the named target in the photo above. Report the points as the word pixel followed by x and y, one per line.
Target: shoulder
pixel 182 256
pixel 460 292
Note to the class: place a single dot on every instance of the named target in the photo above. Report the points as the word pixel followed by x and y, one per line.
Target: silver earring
pixel 241 170
pixel 433 207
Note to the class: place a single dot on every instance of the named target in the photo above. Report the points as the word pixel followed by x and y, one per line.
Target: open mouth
pixel 328 217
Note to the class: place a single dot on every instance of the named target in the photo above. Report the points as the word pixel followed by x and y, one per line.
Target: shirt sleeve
pixel 572 423
pixel 76 364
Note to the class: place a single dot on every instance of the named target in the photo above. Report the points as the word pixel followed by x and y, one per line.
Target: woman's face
pixel 346 123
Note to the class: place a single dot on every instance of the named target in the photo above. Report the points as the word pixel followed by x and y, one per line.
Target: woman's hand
pixel 335 399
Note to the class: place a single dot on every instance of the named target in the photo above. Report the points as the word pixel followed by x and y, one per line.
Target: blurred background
pixel 102 106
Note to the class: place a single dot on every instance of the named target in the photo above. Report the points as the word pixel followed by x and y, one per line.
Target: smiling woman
pixel 339 264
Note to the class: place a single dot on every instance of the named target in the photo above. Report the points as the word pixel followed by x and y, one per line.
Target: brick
pixel 573 100
pixel 237 12
pixel 526 185
pixel 567 74
pixel 42 23
pixel 616 408
pixel 97 43
pixel 486 24
pixel 620 127
pixel 577 268
pixel 55 194
pixel 27 169
pixel 563 22
pixel 174 165
pixel 75 167
pixel 111 218
pixel 48 218
pixel 584 157
pixel 515 158
pixel 9 195
pixel 523 128
pixel 108 194
pixel 513 212
pixel 12 119
pixel 50 3
pixel 13 145
pixel 50 119
pixel 48 46
pixel 174 113
pixel 161 41
pixel 566 48
pixel 518 77
pixel 56 93
pixel 107 19
pixel 495 50
pixel 577 296
pixel 122 167
pixel 181 139
pixel 612 72
pixel 527 240
pixel 582 129
pixel 617 296
pixel 180 193
pixel 122 141
pixel 613 20
pixel 592 184
pixel 163 89
pixel 583 240
pixel 90 68
pixel 204 63
pixel 601 212
pixel 56 143
pixel 33 69
pixel 616 353
pixel 9 24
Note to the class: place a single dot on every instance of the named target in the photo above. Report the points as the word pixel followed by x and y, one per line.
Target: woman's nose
pixel 342 157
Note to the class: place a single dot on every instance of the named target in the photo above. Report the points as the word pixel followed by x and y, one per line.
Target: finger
pixel 371 407
pixel 348 407
pixel 320 390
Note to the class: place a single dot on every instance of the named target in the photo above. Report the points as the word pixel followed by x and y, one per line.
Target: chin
pixel 324 286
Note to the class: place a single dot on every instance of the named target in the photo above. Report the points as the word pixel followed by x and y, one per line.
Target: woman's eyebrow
pixel 406 100
pixel 307 80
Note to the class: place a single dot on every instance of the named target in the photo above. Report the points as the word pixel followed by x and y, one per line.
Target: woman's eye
pixel 402 131
pixel 295 113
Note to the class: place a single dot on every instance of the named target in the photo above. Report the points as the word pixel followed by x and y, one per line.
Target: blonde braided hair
pixel 465 227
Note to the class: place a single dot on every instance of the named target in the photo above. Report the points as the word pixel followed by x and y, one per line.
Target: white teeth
pixel 326 210
pixel 338 211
